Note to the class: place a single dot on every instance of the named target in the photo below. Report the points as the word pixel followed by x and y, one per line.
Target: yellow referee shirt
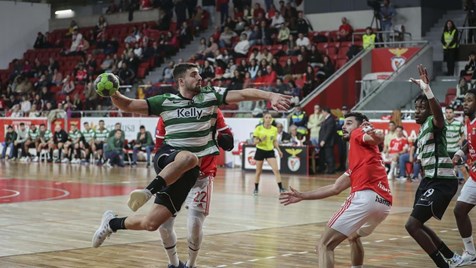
pixel 267 137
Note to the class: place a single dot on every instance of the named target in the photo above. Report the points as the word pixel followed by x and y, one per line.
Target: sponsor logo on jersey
pixel 189 112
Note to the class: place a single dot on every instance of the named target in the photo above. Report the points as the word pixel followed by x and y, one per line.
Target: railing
pixel 391 34
pixel 405 114
pixel 464 32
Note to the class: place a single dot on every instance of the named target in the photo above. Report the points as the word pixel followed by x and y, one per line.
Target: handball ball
pixel 106 84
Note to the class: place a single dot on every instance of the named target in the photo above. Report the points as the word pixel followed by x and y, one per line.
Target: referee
pixel 265 139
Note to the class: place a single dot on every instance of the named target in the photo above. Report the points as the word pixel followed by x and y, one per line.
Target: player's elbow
pixel 336 189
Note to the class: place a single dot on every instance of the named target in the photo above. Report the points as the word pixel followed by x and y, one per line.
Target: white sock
pixel 169 239
pixel 357 266
pixel 469 244
pixel 195 234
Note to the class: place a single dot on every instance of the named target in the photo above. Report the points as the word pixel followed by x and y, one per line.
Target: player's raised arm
pixel 424 84
pixel 129 105
pixel 278 101
pixel 372 136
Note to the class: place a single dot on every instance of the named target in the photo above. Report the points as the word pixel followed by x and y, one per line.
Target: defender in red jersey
pixel 198 199
pixel 467 197
pixel 370 198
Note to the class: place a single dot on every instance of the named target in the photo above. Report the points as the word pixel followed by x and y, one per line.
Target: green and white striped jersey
pixel 88 134
pixel 433 153
pixel 101 135
pixel 73 135
pixel 454 132
pixel 188 122
pixel 45 135
pixel 33 134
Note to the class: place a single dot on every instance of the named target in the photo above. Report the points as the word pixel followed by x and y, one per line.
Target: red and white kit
pixel 370 198
pixel 468 192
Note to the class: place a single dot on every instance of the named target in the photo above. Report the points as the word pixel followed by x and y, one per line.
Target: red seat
pixel 451 91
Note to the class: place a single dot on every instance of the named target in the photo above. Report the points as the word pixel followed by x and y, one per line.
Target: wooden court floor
pixel 49 212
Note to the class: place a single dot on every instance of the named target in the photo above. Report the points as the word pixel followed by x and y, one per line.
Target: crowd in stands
pixel 59 71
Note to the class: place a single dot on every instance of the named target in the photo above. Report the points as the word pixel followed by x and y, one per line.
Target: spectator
pixel 134 36
pixel 67 85
pixel 15 111
pixel 390 135
pixel 25 105
pixel 209 7
pixel 34 112
pixel 288 68
pixel 345 31
pixel 126 75
pixel 242 47
pixel 9 143
pixel 470 8
pixel 326 70
pixel 449 39
pixel 185 34
pixel 226 37
pixel 386 14
pixel 278 21
pixel 314 126
pixel 212 48
pixel 207 71
pixel 42 82
pixel 38 102
pixel 470 67
pixel 397 147
pixel 138 52
pixel 241 25
pixel 409 157
pixel 297 139
pixel 315 57
pixel 167 73
pixel 302 24
pixel 56 77
pixel 265 34
pixel 258 11
pixel 253 69
pixel 76 43
pixel 143 142
pixel 300 66
pixel 114 149
pixel 100 28
pixel 40 41
pixel 145 5
pixel 265 54
pixel 46 95
pixel 277 67
pixel 299 118
pixel 326 142
pixel 22 136
pixel 369 38
pixel 302 41
pixel 180 11
pixel 283 136
pixel 284 33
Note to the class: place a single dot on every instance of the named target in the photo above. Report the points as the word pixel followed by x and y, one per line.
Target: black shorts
pixel 433 197
pixel 260 155
pixel 173 196
pixel 99 145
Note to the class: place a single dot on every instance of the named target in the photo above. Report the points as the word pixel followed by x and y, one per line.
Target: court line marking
pixel 15 193
pixel 65 192
pixel 338 247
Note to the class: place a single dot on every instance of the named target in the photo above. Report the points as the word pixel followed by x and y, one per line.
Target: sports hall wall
pixel 20 22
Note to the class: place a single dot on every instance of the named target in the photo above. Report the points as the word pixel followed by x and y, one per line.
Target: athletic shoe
pixel 104 231
pixel 467 259
pixel 75 161
pixel 49 160
pixel 255 192
pixel 65 160
pixel 282 190
pixel 453 262
pixel 138 198
pixel 180 265
pixel 35 159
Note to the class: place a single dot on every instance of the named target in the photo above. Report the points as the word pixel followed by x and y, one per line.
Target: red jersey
pixel 208 166
pixel 366 169
pixel 471 137
pixel 397 145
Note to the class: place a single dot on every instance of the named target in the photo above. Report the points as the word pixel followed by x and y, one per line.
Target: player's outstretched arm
pixel 424 84
pixel 129 105
pixel 294 196
pixel 278 101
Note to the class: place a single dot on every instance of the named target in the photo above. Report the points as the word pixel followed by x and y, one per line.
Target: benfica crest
pixel 294 162
pixel 398 60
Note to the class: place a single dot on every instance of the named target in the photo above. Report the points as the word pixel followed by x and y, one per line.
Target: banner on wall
pixel 391 59
pixel 249 162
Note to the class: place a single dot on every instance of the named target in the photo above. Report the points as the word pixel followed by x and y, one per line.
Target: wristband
pixel 460 153
pixel 426 89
